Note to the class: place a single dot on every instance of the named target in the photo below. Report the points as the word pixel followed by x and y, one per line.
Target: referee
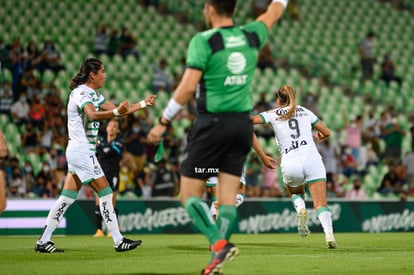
pixel 220 67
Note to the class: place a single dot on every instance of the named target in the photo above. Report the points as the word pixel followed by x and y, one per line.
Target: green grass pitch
pixel 358 253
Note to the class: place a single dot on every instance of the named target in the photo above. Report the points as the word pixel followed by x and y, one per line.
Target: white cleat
pixel 330 241
pixel 303 229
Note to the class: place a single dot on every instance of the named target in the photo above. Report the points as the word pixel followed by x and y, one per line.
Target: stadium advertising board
pixel 167 216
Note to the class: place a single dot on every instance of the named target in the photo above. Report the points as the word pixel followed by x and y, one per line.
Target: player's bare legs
pixel 318 193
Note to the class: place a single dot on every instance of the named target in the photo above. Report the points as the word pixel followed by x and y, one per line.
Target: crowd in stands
pixel 38 110
pixel 115 42
pixel 41 119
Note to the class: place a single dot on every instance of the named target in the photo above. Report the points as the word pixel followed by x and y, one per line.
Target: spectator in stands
pixel 172 143
pixel 29 177
pixel 143 186
pixel 30 139
pixel 266 131
pixel 164 182
pixel 393 135
pixel 353 133
pixel 408 162
pixel 37 112
pixel 161 77
pixel 368 56
pixel 46 137
pixel 53 102
pixel 20 110
pixel 33 55
pixel 335 188
pixel 126 179
pixel 135 140
pixel 6 98
pixel 371 155
pixel 265 59
pixel 263 104
pixel 30 84
pixel 17 65
pixel 310 100
pixel 11 164
pixel 17 184
pixel 253 170
pixel 270 186
pixel 371 131
pixel 113 43
pixel 52 158
pixel 127 44
pixel 401 171
pixel 388 70
pixel 348 163
pixel 59 132
pixel 391 184
pixel 50 59
pixel 46 179
pixel 331 157
pixel 356 192
pixel 4 55
pixel 101 42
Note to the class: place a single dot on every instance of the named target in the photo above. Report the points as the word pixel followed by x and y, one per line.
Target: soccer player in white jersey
pixel 211 186
pixel 301 164
pixel 86 108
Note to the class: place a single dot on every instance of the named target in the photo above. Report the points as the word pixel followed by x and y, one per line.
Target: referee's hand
pixel 154 135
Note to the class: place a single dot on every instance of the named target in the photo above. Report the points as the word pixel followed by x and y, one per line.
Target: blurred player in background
pixel 109 150
pixel 211 187
pixel 301 164
pixel 86 107
pixel 220 65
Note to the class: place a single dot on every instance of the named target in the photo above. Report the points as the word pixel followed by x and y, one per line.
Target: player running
pixel 301 164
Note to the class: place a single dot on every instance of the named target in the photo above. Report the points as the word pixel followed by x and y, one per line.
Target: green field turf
pixel 358 253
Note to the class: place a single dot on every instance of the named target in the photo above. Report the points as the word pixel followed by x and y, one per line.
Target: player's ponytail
pixel 88 66
pixel 287 97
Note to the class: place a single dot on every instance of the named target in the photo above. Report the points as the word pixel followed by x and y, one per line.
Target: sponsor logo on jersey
pixel 295 145
pixel 235 41
pixel 96 170
pixel 235 80
pixel 236 63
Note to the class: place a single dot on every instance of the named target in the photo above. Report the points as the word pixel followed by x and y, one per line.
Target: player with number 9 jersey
pixel 301 164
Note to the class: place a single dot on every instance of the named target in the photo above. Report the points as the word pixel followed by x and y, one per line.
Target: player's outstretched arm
pixel 274 13
pixel 148 101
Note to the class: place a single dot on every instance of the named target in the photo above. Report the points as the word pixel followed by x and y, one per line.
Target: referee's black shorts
pixel 217 143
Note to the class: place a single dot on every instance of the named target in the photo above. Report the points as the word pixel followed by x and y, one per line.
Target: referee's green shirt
pixel 228 58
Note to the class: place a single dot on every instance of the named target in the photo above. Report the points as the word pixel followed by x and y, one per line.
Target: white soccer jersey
pixel 293 136
pixel 82 131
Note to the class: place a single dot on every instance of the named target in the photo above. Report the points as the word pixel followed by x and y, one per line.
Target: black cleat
pixel 227 254
pixel 127 244
pixel 48 247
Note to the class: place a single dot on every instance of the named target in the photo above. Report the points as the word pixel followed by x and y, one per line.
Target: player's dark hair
pixel 88 66
pixel 287 97
pixel 223 7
